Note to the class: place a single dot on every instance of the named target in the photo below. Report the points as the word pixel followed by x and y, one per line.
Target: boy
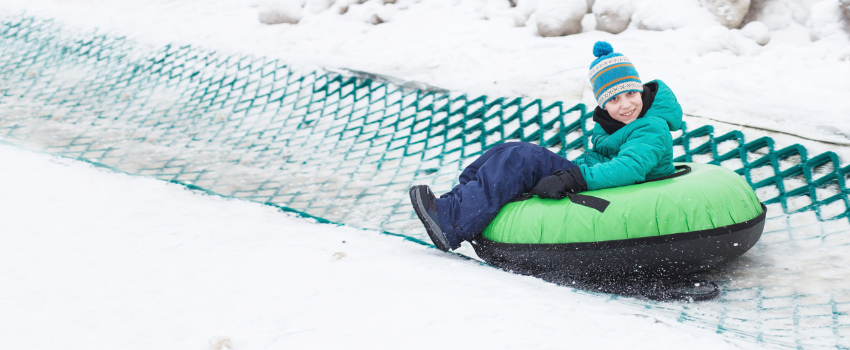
pixel 631 143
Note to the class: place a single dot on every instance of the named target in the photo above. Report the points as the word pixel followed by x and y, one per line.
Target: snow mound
pixel 523 12
pixel 588 23
pixel 560 17
pixel 845 8
pixel 757 31
pixel 317 6
pixel 722 39
pixel 373 12
pixel 613 16
pixel 844 55
pixel 295 11
pixel 780 14
pixel 281 11
pixel 729 13
pixel 670 14
pixel 826 20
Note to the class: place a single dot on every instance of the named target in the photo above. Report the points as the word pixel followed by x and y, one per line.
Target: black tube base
pixel 639 259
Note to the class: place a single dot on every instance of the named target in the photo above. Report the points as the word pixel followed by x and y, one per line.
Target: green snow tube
pixel 698 218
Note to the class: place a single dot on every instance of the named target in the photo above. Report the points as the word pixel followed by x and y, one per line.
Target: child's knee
pixel 529 150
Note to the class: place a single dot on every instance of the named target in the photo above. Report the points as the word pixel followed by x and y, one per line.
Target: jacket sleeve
pixel 590 158
pixel 641 152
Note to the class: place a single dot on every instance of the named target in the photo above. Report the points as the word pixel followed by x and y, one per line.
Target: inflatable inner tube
pixel 670 227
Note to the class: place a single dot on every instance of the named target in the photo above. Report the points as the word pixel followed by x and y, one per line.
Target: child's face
pixel 625 107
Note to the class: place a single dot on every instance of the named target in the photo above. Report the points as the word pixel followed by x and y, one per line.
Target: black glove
pixel 557 186
pixel 552 186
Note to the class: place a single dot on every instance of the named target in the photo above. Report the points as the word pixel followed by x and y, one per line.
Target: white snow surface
pixel 613 16
pixel 792 84
pixel 560 17
pixel 280 12
pixel 91 259
pixel 729 13
pixel 757 31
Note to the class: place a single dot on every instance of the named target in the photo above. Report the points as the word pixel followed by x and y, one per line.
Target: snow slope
pixel 792 84
pixel 154 266
pixel 96 260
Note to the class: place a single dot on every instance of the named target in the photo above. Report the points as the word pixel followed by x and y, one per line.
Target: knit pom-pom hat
pixel 611 73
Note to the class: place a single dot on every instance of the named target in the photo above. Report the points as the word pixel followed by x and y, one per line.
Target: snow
pixel 757 31
pixel 475 46
pixel 845 54
pixel 660 15
pixel 317 6
pixel 560 17
pixel 718 38
pixel 613 16
pixel 730 13
pixel 826 20
pixel 278 12
pixel 779 14
pixel 156 266
pixel 372 12
pixel 523 10
pixel 96 260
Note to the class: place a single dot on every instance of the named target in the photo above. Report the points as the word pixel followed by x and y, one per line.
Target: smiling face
pixel 625 107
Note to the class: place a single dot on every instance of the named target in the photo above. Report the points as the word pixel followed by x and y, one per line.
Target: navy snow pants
pixel 501 174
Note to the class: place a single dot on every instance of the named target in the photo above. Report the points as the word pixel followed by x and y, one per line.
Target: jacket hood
pixel 665 106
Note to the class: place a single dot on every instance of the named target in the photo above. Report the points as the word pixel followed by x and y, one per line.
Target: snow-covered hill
pixel 92 259
pixel 795 83
pixel 96 260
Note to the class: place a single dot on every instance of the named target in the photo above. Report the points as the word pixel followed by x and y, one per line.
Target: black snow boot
pixel 425 206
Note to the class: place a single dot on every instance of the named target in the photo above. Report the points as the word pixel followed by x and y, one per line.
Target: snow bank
pixel 844 55
pixel 826 20
pixel 560 17
pixel 280 11
pixel 371 12
pixel 729 13
pixel 472 47
pixel 736 42
pixel 757 31
pixel 294 11
pixel 613 16
pixel 524 10
pixel 845 8
pixel 670 14
pixel 780 14
pixel 317 6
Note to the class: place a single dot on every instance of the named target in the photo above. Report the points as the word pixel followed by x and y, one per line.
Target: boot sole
pixel 431 227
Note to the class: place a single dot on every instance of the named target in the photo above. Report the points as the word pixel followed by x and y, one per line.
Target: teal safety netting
pixel 345 149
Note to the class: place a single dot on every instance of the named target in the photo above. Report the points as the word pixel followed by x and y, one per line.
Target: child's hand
pixel 553 186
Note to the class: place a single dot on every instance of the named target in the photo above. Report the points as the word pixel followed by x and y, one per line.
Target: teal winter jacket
pixel 641 150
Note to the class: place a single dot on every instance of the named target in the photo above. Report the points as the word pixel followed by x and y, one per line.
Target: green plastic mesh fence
pixel 345 149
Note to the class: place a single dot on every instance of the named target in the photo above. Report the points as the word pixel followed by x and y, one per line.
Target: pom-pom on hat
pixel 611 74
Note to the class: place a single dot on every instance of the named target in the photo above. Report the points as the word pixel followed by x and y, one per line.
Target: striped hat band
pixel 618 89
pixel 607 63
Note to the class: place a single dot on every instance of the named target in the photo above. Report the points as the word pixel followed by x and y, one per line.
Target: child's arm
pixel 638 155
pixel 590 158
